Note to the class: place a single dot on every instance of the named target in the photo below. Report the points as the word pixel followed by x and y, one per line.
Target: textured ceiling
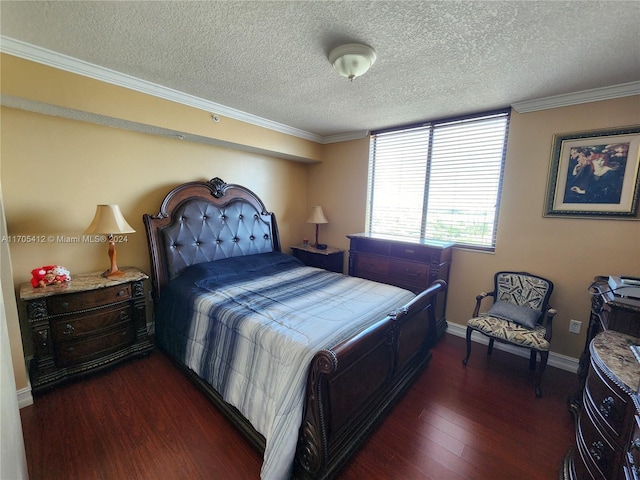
pixel 269 59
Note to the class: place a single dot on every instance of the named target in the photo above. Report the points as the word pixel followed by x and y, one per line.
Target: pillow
pixel 520 314
pixel 238 269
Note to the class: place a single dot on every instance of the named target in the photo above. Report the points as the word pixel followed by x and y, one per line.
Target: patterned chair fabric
pixel 510 332
pixel 524 290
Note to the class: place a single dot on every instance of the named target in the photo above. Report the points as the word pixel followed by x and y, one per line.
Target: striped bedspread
pixel 250 326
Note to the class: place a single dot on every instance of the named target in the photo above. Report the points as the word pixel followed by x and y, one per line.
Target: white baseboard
pixel 25 398
pixel 557 360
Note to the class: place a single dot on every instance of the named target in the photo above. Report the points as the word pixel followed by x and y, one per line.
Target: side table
pixel 331 259
pixel 85 325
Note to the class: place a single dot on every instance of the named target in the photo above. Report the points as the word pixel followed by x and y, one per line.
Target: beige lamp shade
pixel 317 216
pixel 109 220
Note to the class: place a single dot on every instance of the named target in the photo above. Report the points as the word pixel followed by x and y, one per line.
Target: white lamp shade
pixel 109 220
pixel 352 60
pixel 317 216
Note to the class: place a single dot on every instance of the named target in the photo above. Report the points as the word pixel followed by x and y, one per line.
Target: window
pixel 439 180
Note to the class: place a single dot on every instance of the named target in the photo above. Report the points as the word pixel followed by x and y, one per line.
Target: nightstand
pixel 85 325
pixel 330 259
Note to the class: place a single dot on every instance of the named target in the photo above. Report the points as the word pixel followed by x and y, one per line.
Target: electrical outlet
pixel 575 326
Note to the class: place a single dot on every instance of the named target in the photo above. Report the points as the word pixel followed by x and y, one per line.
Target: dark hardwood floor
pixel 145 420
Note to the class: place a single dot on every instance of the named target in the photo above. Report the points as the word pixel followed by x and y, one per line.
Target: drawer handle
pixel 124 315
pixel 121 293
pixel 68 329
pixel 411 274
pixel 596 450
pixel 606 405
pixel 64 304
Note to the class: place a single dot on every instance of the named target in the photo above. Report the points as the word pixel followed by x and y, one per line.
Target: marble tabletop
pixel 614 350
pixel 81 283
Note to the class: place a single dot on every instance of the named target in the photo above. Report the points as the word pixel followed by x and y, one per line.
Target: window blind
pixel 439 180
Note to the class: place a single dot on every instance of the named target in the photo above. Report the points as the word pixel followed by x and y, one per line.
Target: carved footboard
pixel 351 386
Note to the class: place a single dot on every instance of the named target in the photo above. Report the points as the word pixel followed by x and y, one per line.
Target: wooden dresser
pixel 84 325
pixel 406 263
pixel 608 312
pixel 608 426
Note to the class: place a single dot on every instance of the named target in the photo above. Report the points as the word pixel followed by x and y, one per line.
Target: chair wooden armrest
pixel 548 323
pixel 479 298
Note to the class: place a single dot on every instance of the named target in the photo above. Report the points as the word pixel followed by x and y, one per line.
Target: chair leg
pixel 544 356
pixel 532 360
pixel 466 358
pixel 490 347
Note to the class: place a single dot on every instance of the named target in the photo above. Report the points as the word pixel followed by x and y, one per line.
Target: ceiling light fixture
pixel 352 60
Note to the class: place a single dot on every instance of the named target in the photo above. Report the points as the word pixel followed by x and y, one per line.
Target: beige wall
pixel 568 251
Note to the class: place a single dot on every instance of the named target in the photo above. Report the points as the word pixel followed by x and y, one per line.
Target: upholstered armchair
pixel 520 316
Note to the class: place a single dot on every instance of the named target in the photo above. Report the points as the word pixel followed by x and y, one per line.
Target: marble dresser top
pixel 614 350
pixel 81 283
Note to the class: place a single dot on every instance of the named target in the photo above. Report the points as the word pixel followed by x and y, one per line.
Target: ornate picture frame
pixel 595 174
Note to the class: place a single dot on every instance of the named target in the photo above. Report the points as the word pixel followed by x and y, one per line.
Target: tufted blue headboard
pixel 206 221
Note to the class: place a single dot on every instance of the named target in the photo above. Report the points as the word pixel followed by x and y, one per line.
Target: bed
pixel 304 362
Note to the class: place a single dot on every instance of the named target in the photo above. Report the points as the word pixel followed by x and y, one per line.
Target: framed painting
pixel 595 174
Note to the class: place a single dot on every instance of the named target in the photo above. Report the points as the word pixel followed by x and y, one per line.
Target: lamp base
pixel 321 246
pixel 113 271
pixel 109 273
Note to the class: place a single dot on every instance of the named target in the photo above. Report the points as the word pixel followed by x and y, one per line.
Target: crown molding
pixel 43 56
pixel 104 120
pixel 36 54
pixel 345 137
pixel 585 96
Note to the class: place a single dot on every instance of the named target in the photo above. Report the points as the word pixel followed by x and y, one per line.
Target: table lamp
pixel 317 217
pixel 109 221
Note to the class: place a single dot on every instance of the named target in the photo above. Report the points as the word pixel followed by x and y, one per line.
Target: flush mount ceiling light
pixel 352 60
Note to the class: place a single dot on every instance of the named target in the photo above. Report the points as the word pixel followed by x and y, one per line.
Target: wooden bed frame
pixel 351 386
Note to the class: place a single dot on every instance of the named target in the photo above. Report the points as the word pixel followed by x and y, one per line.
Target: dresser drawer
pixel 630 474
pixel 75 326
pixel 108 341
pixel 597 452
pixel 410 273
pixel 372 264
pixel 578 466
pixel 370 246
pixel 89 299
pixel 608 403
pixel 408 252
pixel 633 449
